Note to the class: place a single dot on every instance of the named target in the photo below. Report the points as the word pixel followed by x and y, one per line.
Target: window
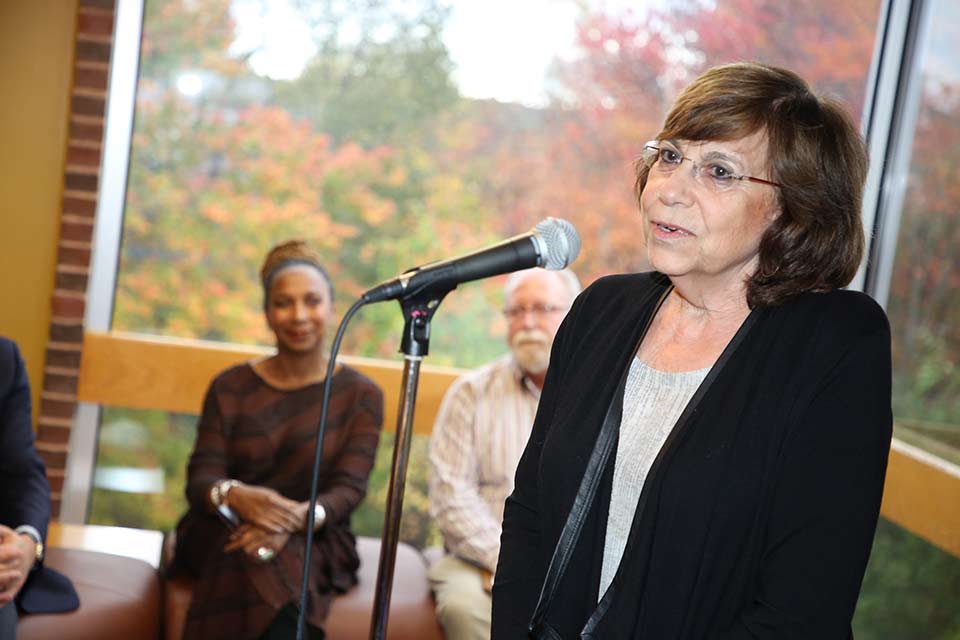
pixel 394 133
pixel 923 303
pixel 391 134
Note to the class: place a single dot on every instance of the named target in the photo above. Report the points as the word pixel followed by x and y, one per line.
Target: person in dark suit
pixel 708 456
pixel 25 585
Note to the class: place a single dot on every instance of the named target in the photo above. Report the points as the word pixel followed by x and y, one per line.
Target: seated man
pixel 24 507
pixel 479 434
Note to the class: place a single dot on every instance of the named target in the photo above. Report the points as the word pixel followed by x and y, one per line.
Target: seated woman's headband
pixel 292 262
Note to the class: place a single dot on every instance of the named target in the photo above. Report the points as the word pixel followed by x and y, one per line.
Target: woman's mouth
pixel 668 230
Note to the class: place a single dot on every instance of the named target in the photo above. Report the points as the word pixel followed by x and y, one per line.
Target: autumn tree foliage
pixel 371 152
pixel 217 192
pixel 220 174
pixel 576 158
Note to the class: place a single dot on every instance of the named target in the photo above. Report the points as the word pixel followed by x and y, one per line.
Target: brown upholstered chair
pixel 119 598
pixel 411 615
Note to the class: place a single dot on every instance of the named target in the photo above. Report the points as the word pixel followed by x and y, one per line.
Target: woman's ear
pixel 775 209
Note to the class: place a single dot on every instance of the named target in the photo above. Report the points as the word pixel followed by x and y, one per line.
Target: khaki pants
pixel 463 607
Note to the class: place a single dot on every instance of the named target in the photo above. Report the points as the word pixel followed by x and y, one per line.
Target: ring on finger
pixel 265 554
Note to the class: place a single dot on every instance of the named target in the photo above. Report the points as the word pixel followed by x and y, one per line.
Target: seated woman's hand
pixel 266 508
pixel 255 542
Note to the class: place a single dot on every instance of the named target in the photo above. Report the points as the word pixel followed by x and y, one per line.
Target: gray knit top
pixel 652 403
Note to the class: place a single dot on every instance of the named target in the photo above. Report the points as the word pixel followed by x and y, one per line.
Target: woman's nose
pixel 676 185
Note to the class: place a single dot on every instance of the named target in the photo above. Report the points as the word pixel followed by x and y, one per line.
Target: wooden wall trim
pixel 922 494
pixel 146 372
pixel 172 374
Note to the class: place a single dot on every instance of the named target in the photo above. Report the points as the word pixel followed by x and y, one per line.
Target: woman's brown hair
pixel 814 151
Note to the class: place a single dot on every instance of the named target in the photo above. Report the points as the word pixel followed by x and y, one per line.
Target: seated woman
pixel 253 458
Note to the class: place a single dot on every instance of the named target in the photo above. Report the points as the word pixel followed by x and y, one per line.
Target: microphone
pixel 553 244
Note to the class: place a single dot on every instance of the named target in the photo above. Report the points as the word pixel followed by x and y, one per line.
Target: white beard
pixel 531 350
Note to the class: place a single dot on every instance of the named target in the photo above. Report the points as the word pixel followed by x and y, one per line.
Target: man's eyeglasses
pixel 715 175
pixel 537 311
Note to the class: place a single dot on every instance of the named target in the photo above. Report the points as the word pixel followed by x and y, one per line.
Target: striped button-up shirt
pixel 480 432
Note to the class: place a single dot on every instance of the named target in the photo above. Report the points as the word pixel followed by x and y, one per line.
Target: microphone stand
pixel 418 310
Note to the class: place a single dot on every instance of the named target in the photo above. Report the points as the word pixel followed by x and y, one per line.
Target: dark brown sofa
pixel 411 614
pixel 123 596
pixel 120 597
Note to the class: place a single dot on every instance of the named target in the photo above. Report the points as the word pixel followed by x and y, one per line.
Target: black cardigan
pixel 757 517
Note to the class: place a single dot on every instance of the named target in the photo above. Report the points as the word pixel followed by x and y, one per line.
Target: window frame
pixel 890 110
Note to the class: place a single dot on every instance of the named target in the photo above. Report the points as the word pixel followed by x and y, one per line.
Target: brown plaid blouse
pixel 264 436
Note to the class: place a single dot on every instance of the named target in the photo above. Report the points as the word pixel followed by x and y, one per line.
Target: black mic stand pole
pixel 418 311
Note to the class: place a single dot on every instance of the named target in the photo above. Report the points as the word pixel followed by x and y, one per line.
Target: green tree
pixel 381 75
pixel 911 590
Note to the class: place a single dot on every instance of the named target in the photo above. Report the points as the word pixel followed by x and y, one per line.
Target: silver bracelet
pixel 319 516
pixel 219 491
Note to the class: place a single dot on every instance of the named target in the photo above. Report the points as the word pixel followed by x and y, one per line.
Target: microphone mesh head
pixel 561 240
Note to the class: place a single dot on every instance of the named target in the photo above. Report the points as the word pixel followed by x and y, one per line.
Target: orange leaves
pixel 213 191
pixel 449 196
pixel 215 212
pixel 373 210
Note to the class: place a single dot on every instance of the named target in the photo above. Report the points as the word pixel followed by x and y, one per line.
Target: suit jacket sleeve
pixel 826 501
pixel 24 490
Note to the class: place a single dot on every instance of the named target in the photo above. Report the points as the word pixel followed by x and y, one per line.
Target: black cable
pixel 321 428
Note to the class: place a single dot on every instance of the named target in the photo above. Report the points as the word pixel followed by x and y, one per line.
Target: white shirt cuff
pixel 30 531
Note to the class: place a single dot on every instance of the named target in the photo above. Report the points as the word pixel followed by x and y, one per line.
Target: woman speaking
pixel 708 456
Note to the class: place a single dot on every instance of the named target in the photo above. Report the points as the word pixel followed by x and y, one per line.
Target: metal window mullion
pixel 892 127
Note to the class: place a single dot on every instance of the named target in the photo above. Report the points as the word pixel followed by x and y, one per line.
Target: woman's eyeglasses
pixel 715 175
pixel 537 311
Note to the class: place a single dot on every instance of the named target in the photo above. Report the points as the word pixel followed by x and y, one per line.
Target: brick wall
pixel 58 396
